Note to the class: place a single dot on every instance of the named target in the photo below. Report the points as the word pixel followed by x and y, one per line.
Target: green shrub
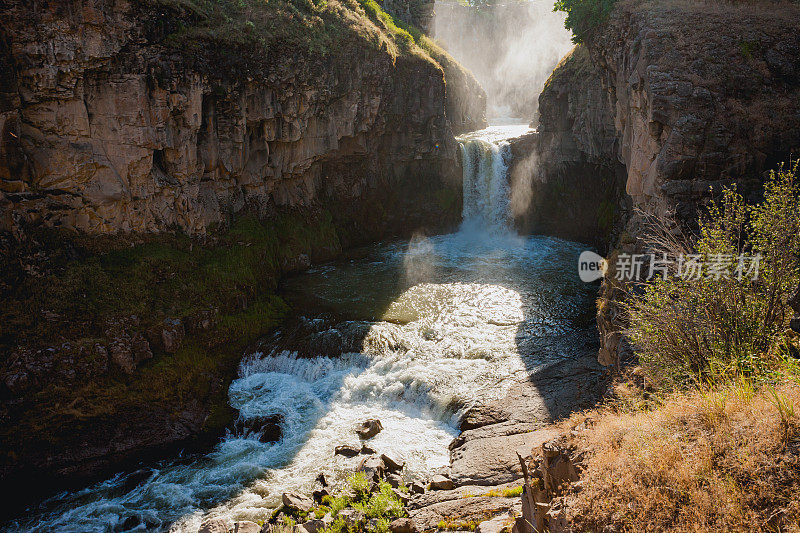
pixel 584 16
pixel 383 503
pixel 691 331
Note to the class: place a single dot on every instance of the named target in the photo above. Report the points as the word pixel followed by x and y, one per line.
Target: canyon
pixel 113 137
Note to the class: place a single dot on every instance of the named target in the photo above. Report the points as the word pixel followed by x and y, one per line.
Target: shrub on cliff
pixel 728 317
pixel 584 16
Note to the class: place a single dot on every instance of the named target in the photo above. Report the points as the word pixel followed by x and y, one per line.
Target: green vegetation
pixel 379 503
pixel 90 285
pixel 584 16
pixel 256 29
pixel 495 493
pixel 713 327
pixel 457 525
pixel 256 26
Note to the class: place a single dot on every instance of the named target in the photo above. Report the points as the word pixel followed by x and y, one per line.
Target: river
pixel 412 333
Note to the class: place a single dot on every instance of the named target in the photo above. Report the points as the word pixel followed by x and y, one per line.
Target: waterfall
pixel 487 205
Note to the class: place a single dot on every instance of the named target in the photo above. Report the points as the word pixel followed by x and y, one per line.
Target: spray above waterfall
pixel 510 47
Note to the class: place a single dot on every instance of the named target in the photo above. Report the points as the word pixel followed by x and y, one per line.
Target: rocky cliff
pixel 162 163
pixel 665 101
pixel 566 179
pixel 109 126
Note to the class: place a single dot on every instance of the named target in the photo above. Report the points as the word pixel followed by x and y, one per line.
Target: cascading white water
pixel 440 322
pixel 486 188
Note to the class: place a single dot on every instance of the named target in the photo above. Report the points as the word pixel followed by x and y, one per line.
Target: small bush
pixel 584 16
pixel 690 330
pixel 382 504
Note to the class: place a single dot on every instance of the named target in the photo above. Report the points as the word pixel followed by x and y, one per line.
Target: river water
pixel 412 333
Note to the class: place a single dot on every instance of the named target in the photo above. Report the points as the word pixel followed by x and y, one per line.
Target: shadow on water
pixel 555 335
pixel 412 332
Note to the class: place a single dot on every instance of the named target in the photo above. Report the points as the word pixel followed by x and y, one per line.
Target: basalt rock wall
pixel 145 133
pixel 107 129
pixel 665 101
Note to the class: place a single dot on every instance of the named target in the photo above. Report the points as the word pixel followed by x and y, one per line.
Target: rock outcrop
pixel 107 129
pixel 661 105
pixel 700 96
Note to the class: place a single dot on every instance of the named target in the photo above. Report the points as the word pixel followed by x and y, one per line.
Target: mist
pixel 511 48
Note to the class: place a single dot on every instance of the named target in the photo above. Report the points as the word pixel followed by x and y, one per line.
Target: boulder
pixel 391 465
pixel 245 526
pixel 317 495
pixel 268 428
pixel 439 482
pixel 369 428
pixel 403 525
pixel 346 450
pixel 394 480
pixel 297 502
pixel 172 334
pixel 372 467
pixel 402 496
pixel 482 415
pixel 366 450
pixel 488 455
pixel 312 526
pixel 216 525
pixel 417 488
pixel 121 355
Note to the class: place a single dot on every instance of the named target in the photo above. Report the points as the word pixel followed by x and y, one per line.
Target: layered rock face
pixel 105 130
pixel 700 95
pixel 664 102
pixel 566 179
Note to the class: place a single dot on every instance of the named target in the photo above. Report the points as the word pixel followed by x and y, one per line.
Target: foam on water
pixel 451 314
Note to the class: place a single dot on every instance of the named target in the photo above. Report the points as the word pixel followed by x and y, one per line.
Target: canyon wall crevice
pixel 566 178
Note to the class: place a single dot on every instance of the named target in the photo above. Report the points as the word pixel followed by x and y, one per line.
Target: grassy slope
pixel 719 459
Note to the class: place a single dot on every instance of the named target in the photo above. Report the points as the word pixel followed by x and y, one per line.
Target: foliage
pixel 257 29
pixel 584 16
pixel 689 330
pixel 380 503
pixel 457 525
pixel 383 503
pixel 312 26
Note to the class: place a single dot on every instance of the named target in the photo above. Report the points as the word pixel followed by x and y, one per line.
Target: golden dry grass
pixel 718 460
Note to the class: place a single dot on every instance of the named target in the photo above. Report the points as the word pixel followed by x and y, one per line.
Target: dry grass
pixel 716 460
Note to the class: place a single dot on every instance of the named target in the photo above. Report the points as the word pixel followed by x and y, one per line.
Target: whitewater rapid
pixel 412 333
